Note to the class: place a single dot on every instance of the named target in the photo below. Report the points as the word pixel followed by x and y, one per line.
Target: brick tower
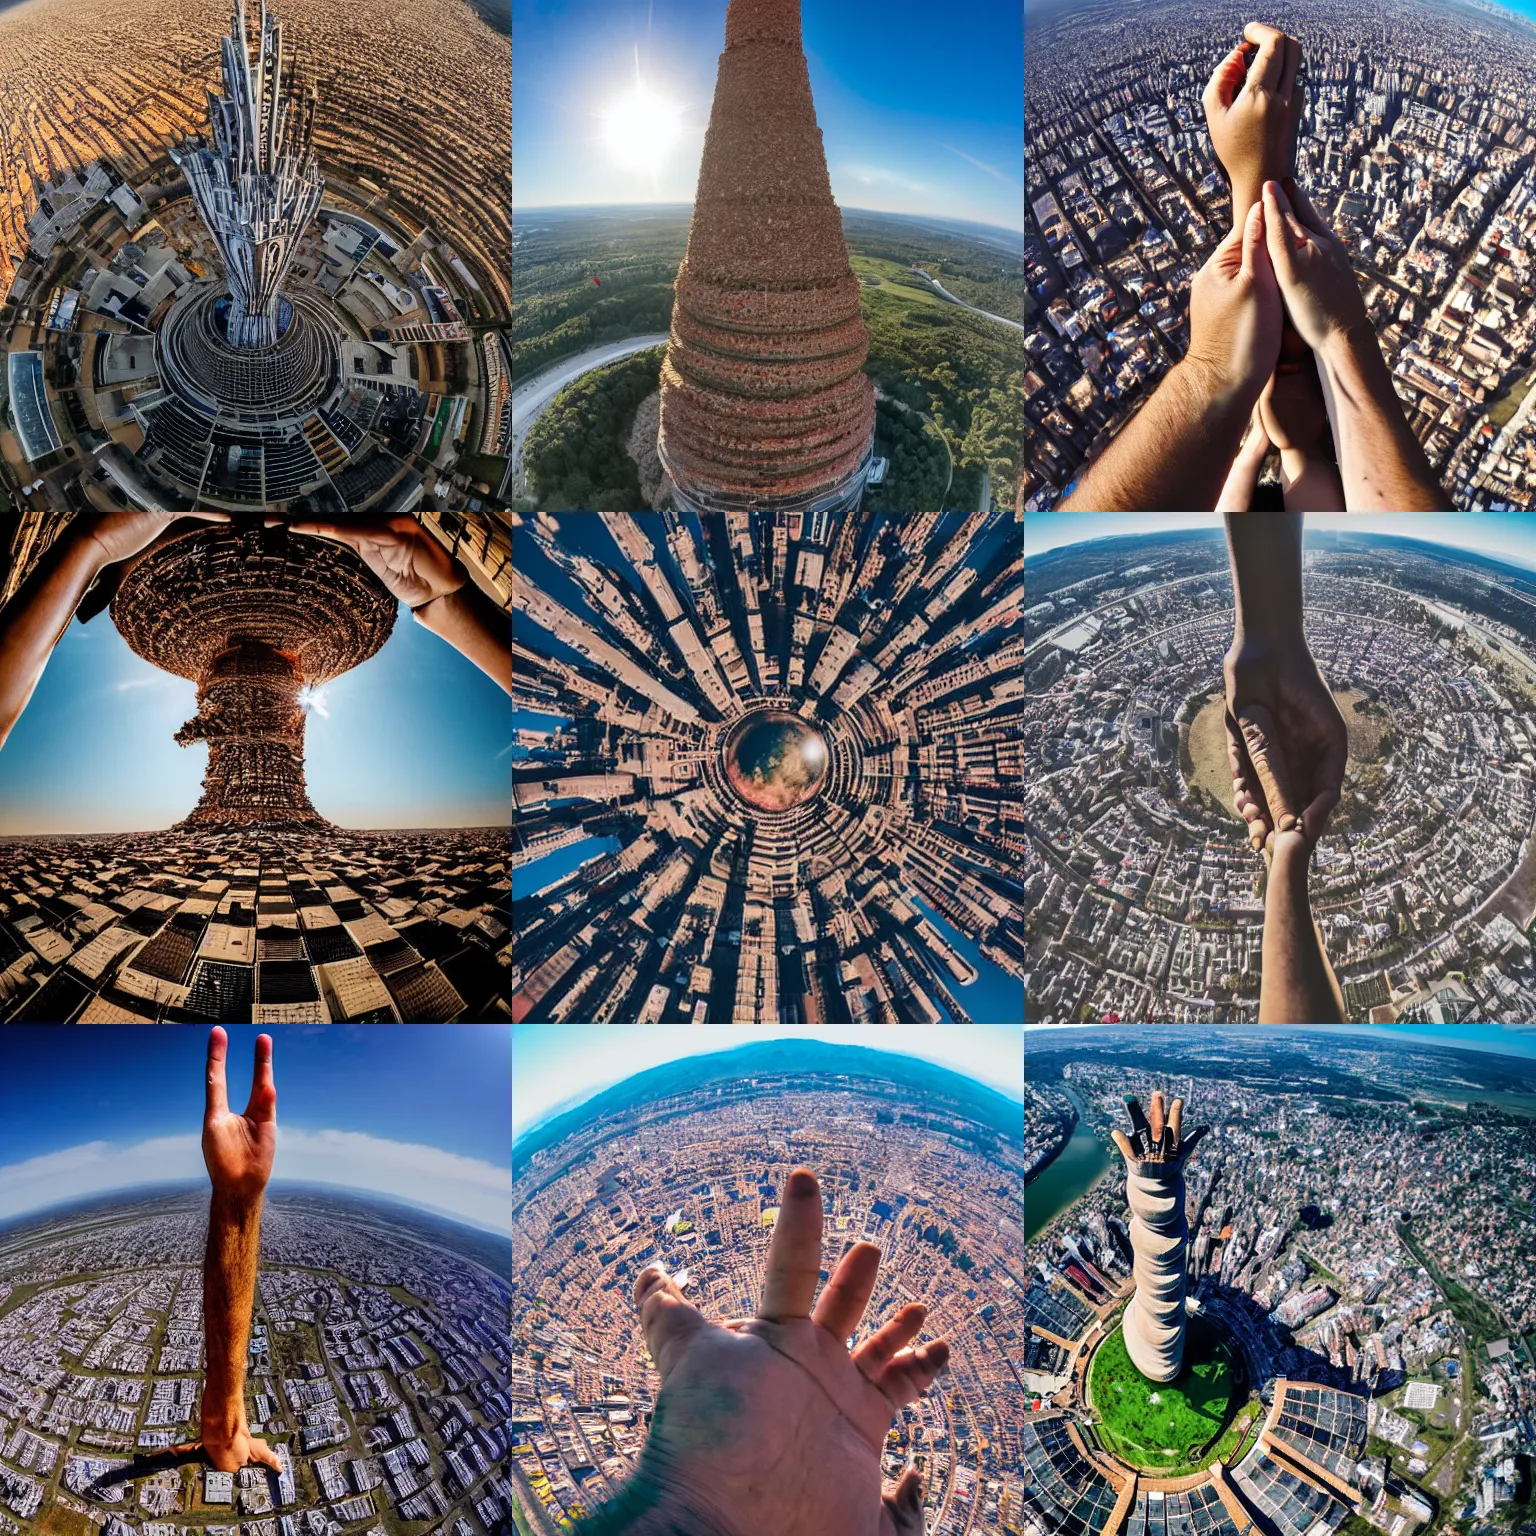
pixel 763 399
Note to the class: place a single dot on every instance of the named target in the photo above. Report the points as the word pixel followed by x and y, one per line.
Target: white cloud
pixel 466 1188
pixel 881 176
pixel 981 165
pixel 142 682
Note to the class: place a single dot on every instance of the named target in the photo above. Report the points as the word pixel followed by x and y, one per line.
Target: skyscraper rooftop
pixel 763 397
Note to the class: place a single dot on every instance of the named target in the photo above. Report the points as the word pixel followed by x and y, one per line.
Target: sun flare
pixel 641 129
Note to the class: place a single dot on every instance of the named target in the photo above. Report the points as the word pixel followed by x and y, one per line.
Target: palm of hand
pixel 403 555
pixel 1309 732
pixel 770 1421
pixel 238 1151
pixel 120 535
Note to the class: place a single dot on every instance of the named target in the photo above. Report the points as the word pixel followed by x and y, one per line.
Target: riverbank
pixel 1061 1182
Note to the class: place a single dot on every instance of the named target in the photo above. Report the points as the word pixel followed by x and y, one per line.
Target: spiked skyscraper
pixel 1155 1152
pixel 258 185
pixel 764 402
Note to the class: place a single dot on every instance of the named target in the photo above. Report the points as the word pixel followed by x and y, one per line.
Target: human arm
pixel 34 621
pixel 770 1422
pixel 1253 107
pixel 1296 984
pixel 431 583
pixel 1175 452
pixel 1275 692
pixel 1381 463
pixel 1237 490
pixel 1295 418
pixel 238 1152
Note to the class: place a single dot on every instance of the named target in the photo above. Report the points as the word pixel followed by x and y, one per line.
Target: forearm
pixel 1297 985
pixel 1174 454
pixel 1264 550
pixel 1310 485
pixel 229 1297
pixel 474 626
pixel 1381 462
pixel 36 618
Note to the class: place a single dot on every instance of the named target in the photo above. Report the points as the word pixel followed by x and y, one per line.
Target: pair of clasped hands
pixel 771 1423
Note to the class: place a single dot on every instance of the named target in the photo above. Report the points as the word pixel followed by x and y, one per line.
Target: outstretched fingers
pixel 902 1514
pixel 794 1252
pixel 264 1454
pixel 216 1098
pixel 263 1101
pixel 840 1307
pixel 912 1371
pixel 666 1320
pixel 887 1341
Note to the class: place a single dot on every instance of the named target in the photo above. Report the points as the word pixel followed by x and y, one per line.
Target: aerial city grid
pixel 1143 900
pixel 1415 145
pixel 1356 1302
pixel 378 1368
pixel 769 767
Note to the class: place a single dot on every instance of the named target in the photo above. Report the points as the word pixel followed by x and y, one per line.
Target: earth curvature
pixel 774 760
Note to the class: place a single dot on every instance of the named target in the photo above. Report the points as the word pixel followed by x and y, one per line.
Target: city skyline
pixel 612 97
pixel 557 1070
pixel 418 1113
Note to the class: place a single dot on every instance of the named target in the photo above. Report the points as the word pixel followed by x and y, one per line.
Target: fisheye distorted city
pixel 1143 899
pixel 684 1165
pixel 1281 1282
pixel 1416 145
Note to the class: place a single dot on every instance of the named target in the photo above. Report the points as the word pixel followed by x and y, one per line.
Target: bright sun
pixel 641 129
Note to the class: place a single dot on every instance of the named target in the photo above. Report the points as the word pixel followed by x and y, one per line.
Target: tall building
pixel 1155 1153
pixel 253 616
pixel 764 402
pixel 257 186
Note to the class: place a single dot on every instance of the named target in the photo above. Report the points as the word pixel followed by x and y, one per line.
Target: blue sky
pixel 1505 535
pixel 414 737
pixel 417 1112
pixel 921 109
pixel 557 1066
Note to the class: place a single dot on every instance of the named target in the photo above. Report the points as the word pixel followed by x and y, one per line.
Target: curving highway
pixel 532 397
pixel 1018 325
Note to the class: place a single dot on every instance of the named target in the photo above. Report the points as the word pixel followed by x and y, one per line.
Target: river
pixel 1068 1177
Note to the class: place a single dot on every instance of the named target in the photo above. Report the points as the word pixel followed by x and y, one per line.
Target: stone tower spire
pixel 1155 1322
pixel 763 397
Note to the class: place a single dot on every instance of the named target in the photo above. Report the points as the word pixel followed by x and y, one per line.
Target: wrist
pixel 1266 581
pixel 437 603
pixel 1226 402
pixel 1349 345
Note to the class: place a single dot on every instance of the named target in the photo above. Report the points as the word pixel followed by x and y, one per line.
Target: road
pixel 1018 325
pixel 531 398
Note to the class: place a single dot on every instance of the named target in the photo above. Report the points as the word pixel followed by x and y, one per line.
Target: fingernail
pixel 802 1182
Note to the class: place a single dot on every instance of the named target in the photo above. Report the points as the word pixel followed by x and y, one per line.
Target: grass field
pixel 1173 1425
pixel 1207 745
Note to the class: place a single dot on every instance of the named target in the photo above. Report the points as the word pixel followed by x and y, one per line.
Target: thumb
pixel 1278 224
pixel 667 1321
pixel 1253 242
pixel 903 1513
pixel 1269 765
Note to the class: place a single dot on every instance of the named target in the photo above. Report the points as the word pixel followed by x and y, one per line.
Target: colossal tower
pixel 253 616
pixel 764 402
pixel 258 185
pixel 1155 1153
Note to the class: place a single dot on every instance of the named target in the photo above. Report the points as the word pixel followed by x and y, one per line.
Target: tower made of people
pixel 764 401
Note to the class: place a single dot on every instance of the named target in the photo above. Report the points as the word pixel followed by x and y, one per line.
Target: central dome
pixel 774 760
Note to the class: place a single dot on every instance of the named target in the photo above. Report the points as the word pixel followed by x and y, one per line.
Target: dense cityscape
pixel 232 927
pixel 1143 900
pixel 769 768
pixel 147 366
pixel 692 1180
pixel 1415 145
pixel 377 1370
pixel 1361 1235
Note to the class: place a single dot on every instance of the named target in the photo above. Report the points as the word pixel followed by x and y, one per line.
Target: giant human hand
pixel 1158 1139
pixel 399 551
pixel 1286 739
pixel 769 1422
pixel 119 535
pixel 1312 266
pixel 1235 317
pixel 238 1149
pixel 1253 109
